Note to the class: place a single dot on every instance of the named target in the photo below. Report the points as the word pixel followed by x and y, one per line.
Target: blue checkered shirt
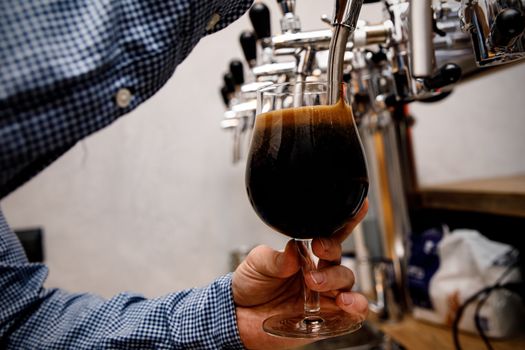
pixel 62 66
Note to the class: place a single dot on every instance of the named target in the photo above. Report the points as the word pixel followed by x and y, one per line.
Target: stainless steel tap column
pixel 345 21
pixel 422 48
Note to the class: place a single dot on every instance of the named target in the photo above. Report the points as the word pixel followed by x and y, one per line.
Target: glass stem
pixel 308 264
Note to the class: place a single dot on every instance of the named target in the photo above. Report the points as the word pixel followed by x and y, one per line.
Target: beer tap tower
pixel 418 52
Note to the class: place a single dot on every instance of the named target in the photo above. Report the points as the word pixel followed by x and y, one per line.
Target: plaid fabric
pixel 62 63
pixel 32 317
pixel 62 66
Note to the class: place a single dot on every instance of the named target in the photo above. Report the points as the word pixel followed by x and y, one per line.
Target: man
pixel 69 68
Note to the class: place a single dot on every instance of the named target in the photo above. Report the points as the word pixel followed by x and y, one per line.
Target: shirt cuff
pixel 205 318
pixel 229 334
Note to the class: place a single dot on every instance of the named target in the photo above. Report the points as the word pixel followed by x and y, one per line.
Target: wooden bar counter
pixel 418 335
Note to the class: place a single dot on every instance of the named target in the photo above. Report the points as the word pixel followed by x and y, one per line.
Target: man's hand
pixel 270 282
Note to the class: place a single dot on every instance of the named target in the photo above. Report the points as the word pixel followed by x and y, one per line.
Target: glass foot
pixel 322 325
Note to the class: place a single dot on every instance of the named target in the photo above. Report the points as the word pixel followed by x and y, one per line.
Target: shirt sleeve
pixel 71 67
pixel 32 317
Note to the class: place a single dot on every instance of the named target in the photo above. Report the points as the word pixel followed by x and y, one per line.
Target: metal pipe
pixel 320 39
pixel 275 69
pixel 345 20
pixel 421 32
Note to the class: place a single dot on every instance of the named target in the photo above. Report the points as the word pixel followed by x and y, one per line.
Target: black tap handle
pixel 237 71
pixel 287 6
pixel 229 82
pixel 260 18
pixel 225 95
pixel 378 57
pixel 249 46
pixel 371 1
pixel 447 74
pixel 508 25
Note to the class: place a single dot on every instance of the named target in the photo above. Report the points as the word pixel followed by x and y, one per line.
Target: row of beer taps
pixel 417 52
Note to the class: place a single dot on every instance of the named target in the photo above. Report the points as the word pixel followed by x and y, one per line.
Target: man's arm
pixel 71 67
pixel 63 66
pixel 32 317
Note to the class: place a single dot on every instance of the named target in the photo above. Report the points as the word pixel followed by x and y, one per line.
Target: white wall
pixel 152 203
pixel 476 132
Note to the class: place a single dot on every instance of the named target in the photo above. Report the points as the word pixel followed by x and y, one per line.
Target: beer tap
pixel 275 69
pixel 260 18
pixel 225 95
pixel 239 117
pixel 228 89
pixel 413 63
pixel 422 49
pixel 421 32
pixel 496 28
pixel 289 22
pixel 249 47
pixel 344 22
pixel 237 72
pixel 267 68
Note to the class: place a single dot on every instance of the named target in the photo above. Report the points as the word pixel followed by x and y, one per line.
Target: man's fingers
pixel 271 263
pixel 327 249
pixel 330 279
pixel 353 303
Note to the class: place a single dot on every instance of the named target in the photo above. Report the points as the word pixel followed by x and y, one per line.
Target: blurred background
pixel 153 204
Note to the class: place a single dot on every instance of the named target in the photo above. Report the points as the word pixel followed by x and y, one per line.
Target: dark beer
pixel 306 174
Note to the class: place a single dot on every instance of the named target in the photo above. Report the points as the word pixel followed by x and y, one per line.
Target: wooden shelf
pixel 414 335
pixel 500 196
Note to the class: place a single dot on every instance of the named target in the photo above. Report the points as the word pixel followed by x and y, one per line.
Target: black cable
pixel 482 302
pixel 477 320
pixel 459 314
pixel 461 309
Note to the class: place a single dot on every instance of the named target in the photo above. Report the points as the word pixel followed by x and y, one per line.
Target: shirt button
pixel 123 97
pixel 213 21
